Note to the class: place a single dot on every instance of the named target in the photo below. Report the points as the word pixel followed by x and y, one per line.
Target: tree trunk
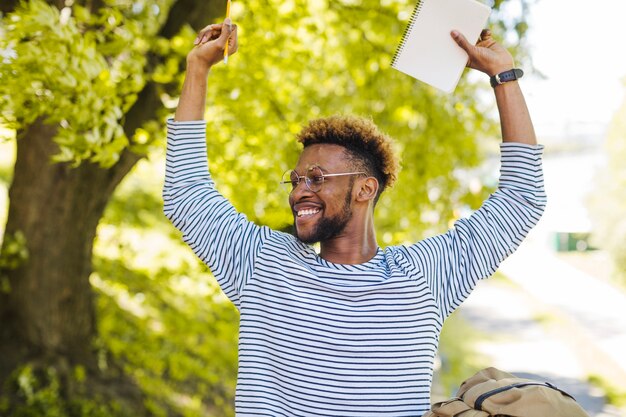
pixel 57 208
pixel 48 317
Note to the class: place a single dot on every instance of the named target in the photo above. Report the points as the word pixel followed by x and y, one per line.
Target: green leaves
pixel 14 251
pixel 41 388
pixel 74 77
pixel 159 310
pixel 303 60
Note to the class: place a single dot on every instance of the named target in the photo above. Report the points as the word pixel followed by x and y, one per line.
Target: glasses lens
pixel 289 180
pixel 314 178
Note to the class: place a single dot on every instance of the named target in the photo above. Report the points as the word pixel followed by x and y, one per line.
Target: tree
pixel 87 85
pixel 66 110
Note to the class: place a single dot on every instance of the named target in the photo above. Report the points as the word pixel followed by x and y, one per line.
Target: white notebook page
pixel 428 52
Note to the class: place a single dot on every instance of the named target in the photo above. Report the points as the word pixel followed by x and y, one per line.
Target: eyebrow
pixel 324 170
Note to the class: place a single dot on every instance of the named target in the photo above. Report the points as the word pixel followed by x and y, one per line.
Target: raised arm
pixel 453 262
pixel 223 238
pixel 209 50
pixel 490 57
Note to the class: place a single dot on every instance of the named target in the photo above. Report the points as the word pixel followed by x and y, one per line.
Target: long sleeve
pixel 223 238
pixel 453 262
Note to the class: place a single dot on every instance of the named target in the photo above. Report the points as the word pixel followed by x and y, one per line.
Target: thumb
pixel 227 29
pixel 462 41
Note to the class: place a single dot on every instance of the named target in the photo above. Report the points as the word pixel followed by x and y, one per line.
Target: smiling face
pixel 326 214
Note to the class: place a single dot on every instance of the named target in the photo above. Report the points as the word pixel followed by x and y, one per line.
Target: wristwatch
pixel 510 75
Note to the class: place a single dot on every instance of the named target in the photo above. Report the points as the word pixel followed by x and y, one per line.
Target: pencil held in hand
pixel 228 40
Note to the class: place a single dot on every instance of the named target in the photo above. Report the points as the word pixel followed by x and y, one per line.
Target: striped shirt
pixel 323 339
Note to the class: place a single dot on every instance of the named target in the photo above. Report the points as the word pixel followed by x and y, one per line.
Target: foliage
pixel 608 202
pixel 62 65
pixel 13 254
pixel 313 59
pixel 298 60
pixel 159 311
pixel 458 354
pixel 42 396
pixel 614 395
pixel 14 251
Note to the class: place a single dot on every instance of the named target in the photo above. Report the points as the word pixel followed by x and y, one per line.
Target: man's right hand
pixel 210 44
pixel 209 50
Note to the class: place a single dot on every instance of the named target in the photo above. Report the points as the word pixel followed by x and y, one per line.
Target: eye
pixel 315 176
pixel 317 179
pixel 295 179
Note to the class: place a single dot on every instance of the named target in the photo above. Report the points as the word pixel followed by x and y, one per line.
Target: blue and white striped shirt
pixel 324 339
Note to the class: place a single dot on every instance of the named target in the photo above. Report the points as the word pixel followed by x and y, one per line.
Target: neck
pixel 351 247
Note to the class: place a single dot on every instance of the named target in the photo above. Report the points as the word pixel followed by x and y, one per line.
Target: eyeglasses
pixel 313 178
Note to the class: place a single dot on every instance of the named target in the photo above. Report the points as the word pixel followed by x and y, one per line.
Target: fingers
pixel 217 31
pixel 213 41
pixel 232 41
pixel 486 40
pixel 487 55
pixel 475 53
pixel 227 29
pixel 462 41
pixel 208 33
pixel 485 35
pixel 228 35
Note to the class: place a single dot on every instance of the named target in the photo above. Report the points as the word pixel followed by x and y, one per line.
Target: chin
pixel 321 230
pixel 308 238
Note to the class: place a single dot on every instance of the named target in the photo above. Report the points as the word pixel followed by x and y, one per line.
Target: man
pixel 353 330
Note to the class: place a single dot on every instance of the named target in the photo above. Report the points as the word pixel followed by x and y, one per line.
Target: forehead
pixel 329 157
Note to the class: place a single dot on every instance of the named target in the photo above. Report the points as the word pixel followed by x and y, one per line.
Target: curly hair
pixel 368 148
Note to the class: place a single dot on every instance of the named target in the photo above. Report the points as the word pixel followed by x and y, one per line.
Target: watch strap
pixel 510 75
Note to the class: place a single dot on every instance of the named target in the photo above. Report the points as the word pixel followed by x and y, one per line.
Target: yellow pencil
pixel 227 41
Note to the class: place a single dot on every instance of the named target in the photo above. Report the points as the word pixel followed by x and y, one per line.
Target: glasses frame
pixel 308 181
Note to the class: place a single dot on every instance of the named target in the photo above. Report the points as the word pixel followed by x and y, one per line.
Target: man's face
pixel 322 215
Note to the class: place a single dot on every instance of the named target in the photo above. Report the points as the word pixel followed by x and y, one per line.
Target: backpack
pixel 492 392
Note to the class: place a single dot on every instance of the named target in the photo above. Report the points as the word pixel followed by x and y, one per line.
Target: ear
pixel 367 189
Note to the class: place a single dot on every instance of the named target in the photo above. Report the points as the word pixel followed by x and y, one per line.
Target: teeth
pixel 307 212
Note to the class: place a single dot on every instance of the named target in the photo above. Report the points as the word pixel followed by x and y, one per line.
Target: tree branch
pixel 8 6
pixel 195 13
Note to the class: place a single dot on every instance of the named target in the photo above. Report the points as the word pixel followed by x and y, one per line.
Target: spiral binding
pixel 407 31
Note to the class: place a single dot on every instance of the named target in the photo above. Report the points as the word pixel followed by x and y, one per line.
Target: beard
pixel 329 227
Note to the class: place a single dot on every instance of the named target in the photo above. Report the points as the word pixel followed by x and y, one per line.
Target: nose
pixel 300 191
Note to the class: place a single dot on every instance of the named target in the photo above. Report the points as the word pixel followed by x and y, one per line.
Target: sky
pixel 579 46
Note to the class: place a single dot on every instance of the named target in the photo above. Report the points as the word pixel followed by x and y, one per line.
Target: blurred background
pixel 103 311
pixel 555 310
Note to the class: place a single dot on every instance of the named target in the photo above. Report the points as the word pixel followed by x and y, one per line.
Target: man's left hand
pixel 487 55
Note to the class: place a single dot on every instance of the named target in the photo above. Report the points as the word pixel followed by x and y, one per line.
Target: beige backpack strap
pixel 500 393
pixel 484 375
pixel 454 407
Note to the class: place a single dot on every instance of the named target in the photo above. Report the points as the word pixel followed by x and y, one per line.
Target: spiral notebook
pixel 428 52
